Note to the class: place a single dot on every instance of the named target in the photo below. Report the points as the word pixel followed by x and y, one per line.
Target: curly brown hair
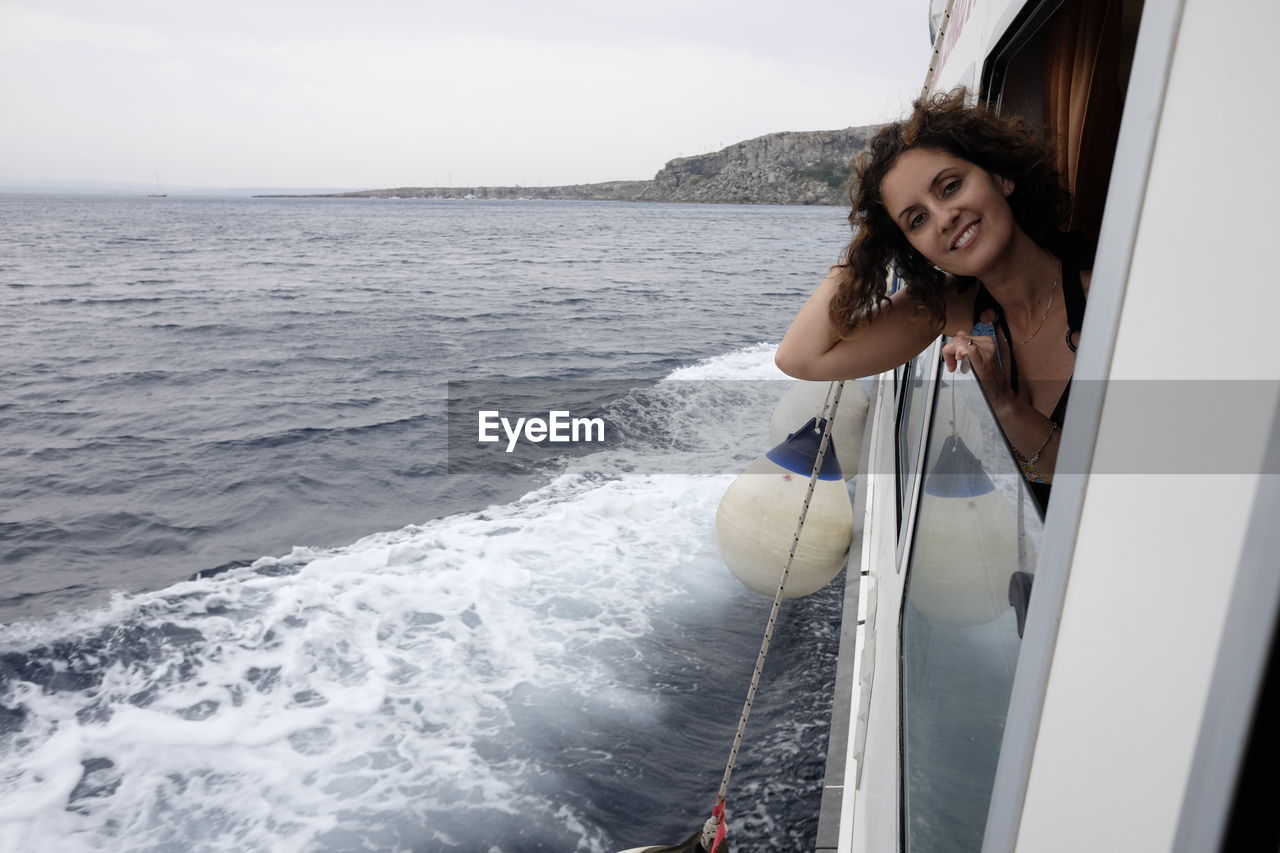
pixel 1009 146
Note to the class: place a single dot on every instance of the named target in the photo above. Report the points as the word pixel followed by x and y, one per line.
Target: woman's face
pixel 952 211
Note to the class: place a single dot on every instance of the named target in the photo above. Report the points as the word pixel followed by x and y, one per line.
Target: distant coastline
pixel 106 189
pixel 805 167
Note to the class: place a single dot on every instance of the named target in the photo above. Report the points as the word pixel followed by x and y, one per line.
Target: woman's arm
pixel 813 349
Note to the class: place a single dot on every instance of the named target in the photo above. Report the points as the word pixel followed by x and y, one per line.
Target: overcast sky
pixel 381 93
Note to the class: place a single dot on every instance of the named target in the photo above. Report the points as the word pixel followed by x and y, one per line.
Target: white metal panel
pixel 974 23
pixel 1136 646
pixel 1202 302
pixel 1155 554
pixel 874 815
pixel 1239 677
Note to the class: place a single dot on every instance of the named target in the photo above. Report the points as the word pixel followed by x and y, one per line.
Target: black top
pixel 1073 297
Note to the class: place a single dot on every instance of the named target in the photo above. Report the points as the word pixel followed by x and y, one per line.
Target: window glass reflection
pixel 975 540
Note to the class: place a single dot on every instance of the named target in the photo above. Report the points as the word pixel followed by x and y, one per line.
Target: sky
pixel 386 93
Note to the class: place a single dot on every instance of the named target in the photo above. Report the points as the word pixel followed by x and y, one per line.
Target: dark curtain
pixel 1084 89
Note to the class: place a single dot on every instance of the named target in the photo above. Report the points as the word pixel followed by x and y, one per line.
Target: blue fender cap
pixel 957 473
pixel 800 450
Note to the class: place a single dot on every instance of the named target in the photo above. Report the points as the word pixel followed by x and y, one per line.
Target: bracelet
pixel 1053 428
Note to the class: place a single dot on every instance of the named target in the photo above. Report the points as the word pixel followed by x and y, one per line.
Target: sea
pixel 256 595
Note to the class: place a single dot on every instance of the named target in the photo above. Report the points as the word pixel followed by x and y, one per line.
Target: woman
pixel 969 209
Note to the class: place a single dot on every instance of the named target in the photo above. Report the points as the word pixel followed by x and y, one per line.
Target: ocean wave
pixel 506 678
pixel 303 434
pixel 363 692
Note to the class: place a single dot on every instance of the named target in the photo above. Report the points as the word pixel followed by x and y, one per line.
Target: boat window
pixel 899 372
pixel 970 573
pixel 911 394
pixel 915 386
pixel 972 547
pixel 1065 65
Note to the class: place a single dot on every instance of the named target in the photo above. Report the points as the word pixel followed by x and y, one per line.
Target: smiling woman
pixel 969 209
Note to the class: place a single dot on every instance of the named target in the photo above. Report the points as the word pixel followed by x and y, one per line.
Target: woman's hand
pixel 1029 431
pixel 980 352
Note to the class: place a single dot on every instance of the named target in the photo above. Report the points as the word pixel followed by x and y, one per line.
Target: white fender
pixel 756 523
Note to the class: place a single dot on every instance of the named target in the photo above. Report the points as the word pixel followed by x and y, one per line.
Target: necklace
pixel 1052 294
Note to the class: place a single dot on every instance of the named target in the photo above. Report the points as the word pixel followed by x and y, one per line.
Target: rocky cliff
pixel 781 168
pixel 810 167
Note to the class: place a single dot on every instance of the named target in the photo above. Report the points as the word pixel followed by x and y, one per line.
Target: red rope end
pixel 721 830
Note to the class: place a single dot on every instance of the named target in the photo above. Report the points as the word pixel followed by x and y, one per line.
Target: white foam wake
pixel 368 695
pixel 753 362
pixel 369 686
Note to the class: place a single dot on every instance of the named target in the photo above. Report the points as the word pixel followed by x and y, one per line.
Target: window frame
pixel 1148 81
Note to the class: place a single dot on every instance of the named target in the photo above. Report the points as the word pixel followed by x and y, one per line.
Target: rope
pixel 937 48
pixel 714 830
